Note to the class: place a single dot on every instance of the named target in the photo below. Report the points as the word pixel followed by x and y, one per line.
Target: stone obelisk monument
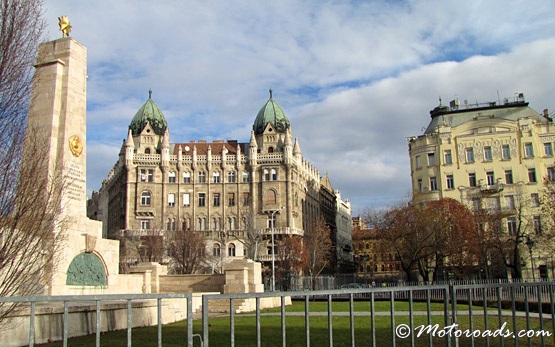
pixel 57 119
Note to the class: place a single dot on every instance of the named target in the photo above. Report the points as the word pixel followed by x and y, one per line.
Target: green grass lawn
pixel 245 328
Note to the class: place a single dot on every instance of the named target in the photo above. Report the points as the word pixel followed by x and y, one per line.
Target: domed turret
pixel 149 113
pixel 271 113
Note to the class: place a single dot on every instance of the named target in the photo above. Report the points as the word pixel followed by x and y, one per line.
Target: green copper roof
pixel 270 113
pixel 149 113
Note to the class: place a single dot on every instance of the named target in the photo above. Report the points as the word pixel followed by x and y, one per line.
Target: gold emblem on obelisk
pixel 65 26
pixel 75 145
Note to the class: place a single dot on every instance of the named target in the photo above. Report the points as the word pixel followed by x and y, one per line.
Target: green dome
pixel 270 113
pixel 148 113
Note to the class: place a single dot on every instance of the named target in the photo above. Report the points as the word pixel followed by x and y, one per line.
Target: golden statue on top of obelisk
pixel 65 26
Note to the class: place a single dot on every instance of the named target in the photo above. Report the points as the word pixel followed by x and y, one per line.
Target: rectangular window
pixel 145 224
pixel 431 159
pixel 509 176
pixel 420 184
pixel 470 155
pixel 186 177
pixel 450 182
pixel 417 162
pixel 551 173
pixel 476 204
pixel 147 175
pixel 511 226
pixel 216 177
pixel 448 157
pixel 216 199
pixel 548 147
pixel 487 154
pixel 506 152
pixel 528 150
pixel 246 199
pixel 532 175
pixel 171 199
pixel 472 179
pixel 186 199
pixel 201 199
pixel 231 177
pixel 510 202
pixel 433 183
pixel 490 178
pixel 535 199
pixel 202 177
pixel 537 225
pixel 231 199
pixel 171 177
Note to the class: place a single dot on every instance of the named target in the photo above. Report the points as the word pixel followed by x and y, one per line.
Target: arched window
pixel 274 174
pixel 186 177
pixel 270 149
pixel 231 250
pixel 147 150
pixel 216 250
pixel 145 198
pixel 270 197
pixel 171 177
pixel 231 223
pixel 266 175
pixel 216 176
pixel 231 177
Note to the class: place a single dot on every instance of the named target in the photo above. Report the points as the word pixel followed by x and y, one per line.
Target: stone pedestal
pixel 243 276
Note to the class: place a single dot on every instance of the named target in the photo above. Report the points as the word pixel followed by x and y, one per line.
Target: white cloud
pixel 355 78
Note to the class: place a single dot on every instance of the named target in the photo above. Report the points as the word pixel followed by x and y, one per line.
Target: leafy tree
pixel 291 257
pixel 428 237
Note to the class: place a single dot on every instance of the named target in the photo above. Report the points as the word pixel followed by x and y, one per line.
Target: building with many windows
pixel 221 189
pixel 489 156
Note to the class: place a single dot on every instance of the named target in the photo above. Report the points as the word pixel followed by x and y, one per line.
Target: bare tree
pixel 21 31
pixel 31 227
pixel 251 237
pixel 509 246
pixel 187 251
pixel 318 248
pixel 140 246
pixel 30 204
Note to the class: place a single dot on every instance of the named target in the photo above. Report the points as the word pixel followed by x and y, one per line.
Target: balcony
pixel 283 231
pixel 491 188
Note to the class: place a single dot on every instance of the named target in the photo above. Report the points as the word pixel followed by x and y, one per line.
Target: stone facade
pixel 488 156
pixel 220 189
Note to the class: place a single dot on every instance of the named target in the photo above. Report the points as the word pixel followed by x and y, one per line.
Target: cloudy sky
pixel 355 78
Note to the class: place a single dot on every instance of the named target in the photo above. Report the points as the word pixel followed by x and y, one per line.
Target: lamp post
pixel 530 244
pixel 273 251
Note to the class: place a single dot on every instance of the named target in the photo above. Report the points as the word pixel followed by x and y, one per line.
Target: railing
pixel 476 308
pixel 98 300
pixel 453 305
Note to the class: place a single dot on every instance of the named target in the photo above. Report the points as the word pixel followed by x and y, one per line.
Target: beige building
pixel 492 156
pixel 222 188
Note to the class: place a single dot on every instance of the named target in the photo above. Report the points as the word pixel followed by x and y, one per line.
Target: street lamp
pixel 530 244
pixel 273 251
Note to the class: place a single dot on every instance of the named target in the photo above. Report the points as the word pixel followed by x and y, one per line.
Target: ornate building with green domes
pixel 225 190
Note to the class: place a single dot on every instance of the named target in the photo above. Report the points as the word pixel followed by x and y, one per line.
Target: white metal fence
pixel 484 306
